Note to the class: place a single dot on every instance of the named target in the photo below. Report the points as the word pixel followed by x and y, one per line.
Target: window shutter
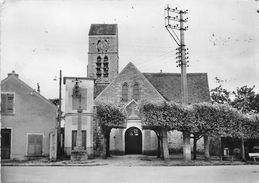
pixel 35 145
pixel 3 103
pixel 10 103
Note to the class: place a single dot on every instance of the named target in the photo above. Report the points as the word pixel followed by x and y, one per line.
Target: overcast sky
pixel 38 38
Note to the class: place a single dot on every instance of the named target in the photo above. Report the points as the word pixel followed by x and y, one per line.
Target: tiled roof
pixel 169 86
pixel 103 29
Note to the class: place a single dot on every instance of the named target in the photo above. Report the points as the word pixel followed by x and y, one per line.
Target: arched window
pixel 125 91
pixel 105 67
pixel 99 66
pixel 136 92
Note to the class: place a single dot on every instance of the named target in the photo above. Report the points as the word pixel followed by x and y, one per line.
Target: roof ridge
pixel 169 73
pixel 30 88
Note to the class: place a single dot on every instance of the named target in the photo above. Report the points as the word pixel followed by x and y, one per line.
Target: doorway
pixel 6 143
pixel 133 141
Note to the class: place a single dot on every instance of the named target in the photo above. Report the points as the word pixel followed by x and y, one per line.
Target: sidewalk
pixel 127 160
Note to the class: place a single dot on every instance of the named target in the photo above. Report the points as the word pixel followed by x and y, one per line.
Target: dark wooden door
pixel 6 143
pixel 74 134
pixel 133 141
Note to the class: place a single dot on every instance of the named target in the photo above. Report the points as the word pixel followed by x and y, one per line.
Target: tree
pixel 162 117
pixel 219 94
pixel 109 116
pixel 245 99
pixel 157 117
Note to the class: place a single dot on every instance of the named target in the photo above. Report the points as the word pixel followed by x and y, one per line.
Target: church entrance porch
pixel 133 141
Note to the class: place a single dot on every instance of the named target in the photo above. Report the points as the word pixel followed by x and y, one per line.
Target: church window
pixel 105 67
pixel 136 92
pixel 99 67
pixel 125 90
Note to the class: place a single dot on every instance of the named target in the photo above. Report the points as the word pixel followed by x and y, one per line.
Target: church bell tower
pixel 103 59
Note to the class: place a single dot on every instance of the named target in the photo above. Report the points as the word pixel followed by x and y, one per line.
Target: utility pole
pixel 59 117
pixel 181 60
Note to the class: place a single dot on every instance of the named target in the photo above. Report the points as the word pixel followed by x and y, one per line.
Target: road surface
pixel 134 174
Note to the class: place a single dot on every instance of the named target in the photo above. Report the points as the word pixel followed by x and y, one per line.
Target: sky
pixel 40 37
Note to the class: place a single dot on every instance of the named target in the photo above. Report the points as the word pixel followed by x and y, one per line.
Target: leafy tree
pixel 246 100
pixel 109 116
pixel 219 94
pixel 162 117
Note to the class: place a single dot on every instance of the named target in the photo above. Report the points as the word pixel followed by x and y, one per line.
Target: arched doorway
pixel 133 141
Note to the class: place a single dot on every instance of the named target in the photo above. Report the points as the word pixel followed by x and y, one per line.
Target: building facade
pixel 86 88
pixel 127 90
pixel 28 120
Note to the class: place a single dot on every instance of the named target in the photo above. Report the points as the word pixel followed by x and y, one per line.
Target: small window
pixel 125 90
pixel 7 104
pixel 136 92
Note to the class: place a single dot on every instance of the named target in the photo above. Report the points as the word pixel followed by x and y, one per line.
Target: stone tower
pixel 103 59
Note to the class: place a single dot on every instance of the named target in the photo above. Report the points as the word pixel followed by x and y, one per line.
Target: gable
pixel 13 84
pixel 130 75
pixel 169 86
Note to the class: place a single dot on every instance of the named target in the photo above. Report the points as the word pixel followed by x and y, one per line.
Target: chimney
pixel 13 74
pixel 161 71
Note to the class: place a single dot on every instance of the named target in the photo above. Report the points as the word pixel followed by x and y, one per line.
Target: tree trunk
pixel 186 146
pixel 165 145
pixel 243 149
pixel 108 143
pixel 158 144
pixel 206 147
pixel 194 147
pixel 104 148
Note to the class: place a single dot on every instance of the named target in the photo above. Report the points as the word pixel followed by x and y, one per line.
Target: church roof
pixel 169 86
pixel 103 29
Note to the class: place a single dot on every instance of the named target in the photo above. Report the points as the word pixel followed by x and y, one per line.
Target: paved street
pixel 136 174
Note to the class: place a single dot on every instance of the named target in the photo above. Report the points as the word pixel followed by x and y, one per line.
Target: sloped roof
pixel 169 86
pixel 98 89
pixel 103 29
pixel 14 76
pixel 129 74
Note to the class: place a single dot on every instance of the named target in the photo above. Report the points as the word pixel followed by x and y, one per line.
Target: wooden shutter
pixel 35 145
pixel 10 103
pixel 74 134
pixel 3 103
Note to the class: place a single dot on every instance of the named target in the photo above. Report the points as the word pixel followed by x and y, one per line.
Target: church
pixel 126 89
